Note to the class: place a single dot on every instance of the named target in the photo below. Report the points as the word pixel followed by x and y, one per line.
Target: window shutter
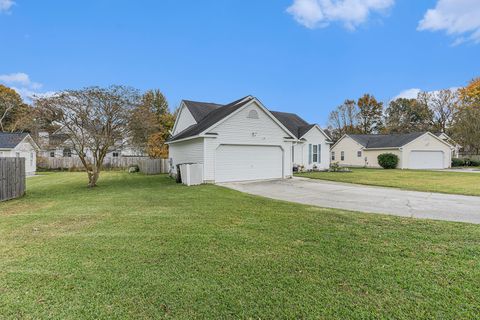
pixel 319 153
pixel 310 154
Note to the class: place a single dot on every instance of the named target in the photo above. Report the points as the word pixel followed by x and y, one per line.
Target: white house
pixel 20 145
pixel 419 150
pixel 59 145
pixel 243 140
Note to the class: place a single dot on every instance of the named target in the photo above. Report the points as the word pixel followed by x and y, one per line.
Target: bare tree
pixel 344 119
pixel 444 106
pixel 95 120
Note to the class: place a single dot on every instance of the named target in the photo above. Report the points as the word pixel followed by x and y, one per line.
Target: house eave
pixel 385 148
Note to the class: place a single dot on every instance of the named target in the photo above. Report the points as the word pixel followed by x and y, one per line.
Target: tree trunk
pixel 93 176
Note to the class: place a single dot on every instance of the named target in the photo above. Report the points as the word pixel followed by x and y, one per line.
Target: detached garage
pixel 418 150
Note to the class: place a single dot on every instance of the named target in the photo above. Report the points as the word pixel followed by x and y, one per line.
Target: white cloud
pixel 5 5
pixel 413 93
pixel 320 13
pixel 408 94
pixel 19 77
pixel 22 83
pixel 458 18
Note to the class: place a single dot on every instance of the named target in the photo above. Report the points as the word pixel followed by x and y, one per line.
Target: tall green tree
pixel 370 114
pixel 155 101
pixel 150 124
pixel 407 115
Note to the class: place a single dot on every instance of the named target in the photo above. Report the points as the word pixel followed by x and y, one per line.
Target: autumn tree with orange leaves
pixel 466 126
pixel 150 124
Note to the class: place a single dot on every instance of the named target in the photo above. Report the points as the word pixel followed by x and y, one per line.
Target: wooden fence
pixel 470 156
pixel 75 163
pixel 12 178
pixel 153 166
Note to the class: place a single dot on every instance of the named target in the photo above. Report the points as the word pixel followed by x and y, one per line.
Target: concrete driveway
pixel 366 199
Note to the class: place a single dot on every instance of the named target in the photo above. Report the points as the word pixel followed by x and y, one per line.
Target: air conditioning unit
pixel 191 173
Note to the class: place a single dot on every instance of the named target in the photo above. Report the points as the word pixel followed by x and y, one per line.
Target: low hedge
pixel 388 160
pixel 456 162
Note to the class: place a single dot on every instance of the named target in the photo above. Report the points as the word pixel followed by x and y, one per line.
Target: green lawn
pixel 144 247
pixel 431 181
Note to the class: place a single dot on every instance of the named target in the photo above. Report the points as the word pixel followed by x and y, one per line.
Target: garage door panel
pixel 240 163
pixel 427 160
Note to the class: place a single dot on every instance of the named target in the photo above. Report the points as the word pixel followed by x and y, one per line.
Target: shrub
pixel 388 160
pixel 335 167
pixel 456 162
pixel 133 169
pixel 475 163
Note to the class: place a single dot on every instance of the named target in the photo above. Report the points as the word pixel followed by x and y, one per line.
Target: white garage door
pixel 240 163
pixel 426 160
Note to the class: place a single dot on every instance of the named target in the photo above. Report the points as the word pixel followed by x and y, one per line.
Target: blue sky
pixel 303 56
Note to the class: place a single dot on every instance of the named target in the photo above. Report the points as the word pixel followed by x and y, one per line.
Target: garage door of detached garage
pixel 242 163
pixel 427 160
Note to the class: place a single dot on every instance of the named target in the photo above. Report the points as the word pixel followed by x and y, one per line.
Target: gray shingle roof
pixel 293 123
pixel 11 140
pixel 213 117
pixel 207 114
pixel 371 141
pixel 200 109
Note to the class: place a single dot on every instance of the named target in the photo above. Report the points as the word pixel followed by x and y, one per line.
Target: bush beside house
pixel 388 160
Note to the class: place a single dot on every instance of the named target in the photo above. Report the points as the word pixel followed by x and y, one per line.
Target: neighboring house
pixel 243 140
pixel 20 145
pixel 420 150
pixel 58 145
pixel 456 146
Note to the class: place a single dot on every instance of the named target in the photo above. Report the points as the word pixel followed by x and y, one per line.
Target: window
pixel 31 159
pixel 17 154
pixel 315 153
pixel 293 153
pixel 67 153
pixel 342 155
pixel 333 155
pixel 52 154
pixel 115 154
pixel 359 153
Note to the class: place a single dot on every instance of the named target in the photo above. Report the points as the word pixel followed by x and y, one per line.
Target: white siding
pixel 241 130
pixel 314 136
pixel 190 151
pixel 24 150
pixel 350 148
pixel 184 120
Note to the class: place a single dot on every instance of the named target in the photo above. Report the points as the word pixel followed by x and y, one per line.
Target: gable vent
pixel 252 114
